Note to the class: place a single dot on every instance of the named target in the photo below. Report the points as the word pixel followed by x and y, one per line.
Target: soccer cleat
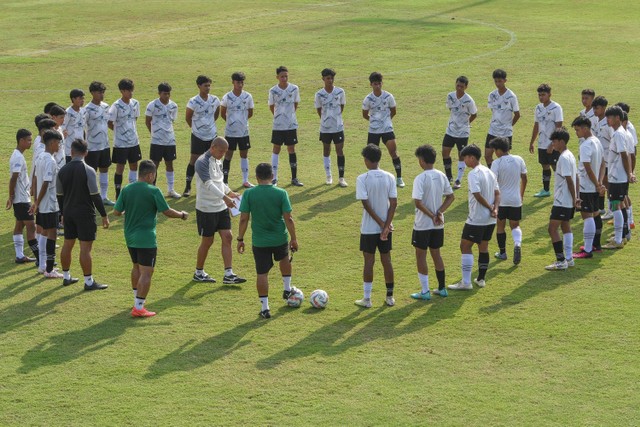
pixel 571 263
pixel 247 184
pixel 457 185
pixel 286 294
pixel 67 282
pixel 583 254
pixel 517 254
pixel 173 194
pixel 364 302
pixel 426 296
pixel 399 182
pixel 480 283
pixel 265 314
pixel 53 274
pixel 274 182
pixel 461 286
pixel 607 215
pixel 501 256
pixel 108 202
pixel 542 193
pixel 342 183
pixel 95 286
pixel 558 265
pixel 596 250
pixel 329 180
pixel 390 301
pixel 142 313
pixel 186 192
pixel 296 182
pixel 233 279
pixel 41 270
pixel 24 260
pixel 613 245
pixel 204 277
pixel 442 292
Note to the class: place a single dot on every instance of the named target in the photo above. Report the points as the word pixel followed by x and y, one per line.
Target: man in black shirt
pixel 79 197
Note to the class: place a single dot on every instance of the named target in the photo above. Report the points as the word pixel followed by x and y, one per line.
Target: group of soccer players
pixel 607 161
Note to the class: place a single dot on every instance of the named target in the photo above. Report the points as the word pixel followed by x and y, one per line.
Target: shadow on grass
pixel 329 206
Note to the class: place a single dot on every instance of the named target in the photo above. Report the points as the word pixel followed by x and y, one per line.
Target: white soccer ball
pixel 295 298
pixel 319 298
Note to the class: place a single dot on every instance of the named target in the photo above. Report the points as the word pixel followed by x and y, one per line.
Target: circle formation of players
pixel 69 180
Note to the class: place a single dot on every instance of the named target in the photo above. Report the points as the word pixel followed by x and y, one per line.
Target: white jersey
pixel 618 145
pixel 59 155
pixel 591 116
pixel 97 118
pixel 376 186
pixel 379 108
pixel 632 130
pixel 124 116
pixel 162 118
pixel 566 167
pixel 74 124
pixel 508 170
pixel 203 122
pixel 547 117
pixel 461 109
pixel 631 146
pixel 331 105
pixel 502 108
pixel 47 171
pixel 604 133
pixel 284 102
pixel 590 152
pixel 18 164
pixel 37 148
pixel 429 187
pixel 481 180
pixel 237 113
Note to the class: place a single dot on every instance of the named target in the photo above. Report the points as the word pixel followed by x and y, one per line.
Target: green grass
pixel 532 348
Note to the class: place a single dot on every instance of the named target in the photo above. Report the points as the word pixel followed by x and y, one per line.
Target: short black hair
pixel 328 72
pixel 625 107
pixel 281 69
pixel 37 119
pixel 146 167
pixel 427 153
pixel 22 133
pixel 614 111
pixel 581 121
pixel 625 116
pixel 463 79
pixel 202 79
pixel 600 101
pixel 57 110
pixel 560 134
pixel 372 153
pixel 500 143
pixel 544 88
pixel 125 84
pixel 264 171
pixel 164 87
pixel 50 135
pixel 79 146
pixel 96 86
pixel 499 74
pixel 238 76
pixel 48 106
pixel 471 150
pixel 375 77
pixel 46 124
pixel 589 92
pixel 75 93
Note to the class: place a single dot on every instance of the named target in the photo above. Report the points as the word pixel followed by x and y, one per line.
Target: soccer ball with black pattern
pixel 319 298
pixel 295 298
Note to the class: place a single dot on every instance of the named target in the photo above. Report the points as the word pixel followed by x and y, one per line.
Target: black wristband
pixel 240 239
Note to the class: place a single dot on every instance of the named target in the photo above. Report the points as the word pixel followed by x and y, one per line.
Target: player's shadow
pixel 329 206
pixel 308 193
pixel 382 323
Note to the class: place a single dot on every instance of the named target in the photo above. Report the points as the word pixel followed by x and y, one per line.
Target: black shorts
pixel 589 202
pixel 328 138
pixel 145 257
pixel 423 239
pixel 159 152
pixel 265 256
pixel 477 233
pixel 492 137
pixel 374 138
pixel 98 159
pixel 618 190
pixel 21 211
pixel 286 137
pixel 81 227
pixel 559 213
pixel 47 220
pixel 370 242
pixel 513 213
pixel 451 141
pixel 198 146
pixel 242 143
pixel 210 222
pixel 545 158
pixel 121 156
pixel 601 202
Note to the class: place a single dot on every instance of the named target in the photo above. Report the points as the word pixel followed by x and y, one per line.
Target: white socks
pixel 170 180
pixel 104 184
pixel 589 232
pixel 274 165
pixel 244 167
pixel 424 282
pixel 327 166
pixel 367 289
pixel 516 234
pixel 286 282
pixel 461 167
pixel 18 244
pixel 133 176
pixel 567 239
pixel 618 222
pixel 467 267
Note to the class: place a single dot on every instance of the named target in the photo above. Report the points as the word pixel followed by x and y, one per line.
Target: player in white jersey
pixel 548 118
pixel 58 115
pixel 74 122
pixel 511 173
pixel 236 109
pixel 463 112
pixel 484 199
pixel 377 191
pixel 379 108
pixel 587 97
pixel 505 113
pixel 565 202
pixel 630 128
pixel 46 203
pixel 283 103
pixel 99 156
pixel 589 185
pixel 20 199
pixel 123 116
pixel 201 114
pixel 159 117
pixel 329 102
pixel 429 188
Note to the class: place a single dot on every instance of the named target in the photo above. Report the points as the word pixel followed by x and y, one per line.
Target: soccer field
pixel 532 348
